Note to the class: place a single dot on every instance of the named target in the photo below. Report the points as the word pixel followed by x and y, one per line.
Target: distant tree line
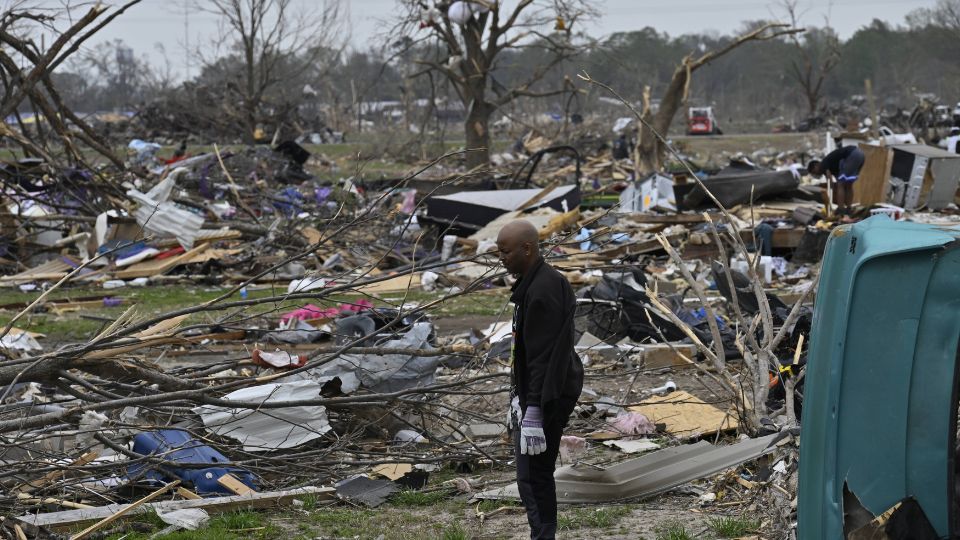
pixel 786 80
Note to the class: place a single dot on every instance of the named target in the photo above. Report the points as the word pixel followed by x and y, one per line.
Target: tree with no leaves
pixel 274 42
pixel 945 14
pixel 466 40
pixel 650 149
pixel 817 54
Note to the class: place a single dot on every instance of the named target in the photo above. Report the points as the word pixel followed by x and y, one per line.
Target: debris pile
pixel 325 356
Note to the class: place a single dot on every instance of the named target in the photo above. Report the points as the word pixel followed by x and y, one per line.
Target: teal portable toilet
pixel 880 403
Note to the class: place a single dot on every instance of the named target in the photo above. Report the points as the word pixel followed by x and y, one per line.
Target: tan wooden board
pixel 395 284
pixel 68 519
pixel 234 484
pixel 871 187
pixel 686 415
pixel 157 267
pixel 50 270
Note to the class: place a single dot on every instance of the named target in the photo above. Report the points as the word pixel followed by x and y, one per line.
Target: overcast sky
pixel 155 22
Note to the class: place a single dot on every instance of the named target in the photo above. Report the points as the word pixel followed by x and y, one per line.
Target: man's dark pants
pixel 535 474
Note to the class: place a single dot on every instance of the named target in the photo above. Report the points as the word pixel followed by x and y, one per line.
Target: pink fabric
pixel 310 311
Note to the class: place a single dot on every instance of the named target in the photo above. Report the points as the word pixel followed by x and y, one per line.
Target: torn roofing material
pixel 647 475
pixel 273 428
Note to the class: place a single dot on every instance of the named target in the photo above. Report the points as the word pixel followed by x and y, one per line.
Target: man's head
pixel 815 168
pixel 519 247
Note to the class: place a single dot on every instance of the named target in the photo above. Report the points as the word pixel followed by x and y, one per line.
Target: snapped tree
pixel 650 150
pixel 465 41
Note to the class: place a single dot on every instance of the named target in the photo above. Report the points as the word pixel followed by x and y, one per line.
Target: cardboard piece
pixel 393 471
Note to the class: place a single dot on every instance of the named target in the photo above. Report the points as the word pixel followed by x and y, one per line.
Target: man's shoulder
pixel 549 278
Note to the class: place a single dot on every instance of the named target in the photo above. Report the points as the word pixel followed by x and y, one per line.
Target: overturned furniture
pixel 880 407
pixel 912 176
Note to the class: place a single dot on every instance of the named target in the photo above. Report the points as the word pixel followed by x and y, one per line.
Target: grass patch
pixel 456 531
pixel 344 522
pixel 594 518
pixel 733 527
pixel 310 502
pixel 230 526
pixel 418 498
pixel 672 530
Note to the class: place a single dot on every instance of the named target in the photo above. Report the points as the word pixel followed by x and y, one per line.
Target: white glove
pixel 532 439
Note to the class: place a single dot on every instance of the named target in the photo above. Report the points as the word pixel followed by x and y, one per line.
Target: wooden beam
pixel 123 511
pixel 670 219
pixel 65 520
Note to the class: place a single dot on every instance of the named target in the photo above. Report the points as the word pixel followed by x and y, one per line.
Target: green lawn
pixel 156 300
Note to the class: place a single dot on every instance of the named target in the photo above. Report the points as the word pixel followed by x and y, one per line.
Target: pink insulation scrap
pixel 633 423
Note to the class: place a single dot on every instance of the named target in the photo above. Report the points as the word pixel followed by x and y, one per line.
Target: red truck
pixel 701 121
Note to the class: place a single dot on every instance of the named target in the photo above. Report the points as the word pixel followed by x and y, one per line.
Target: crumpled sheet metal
pixel 158 216
pixel 647 475
pixel 269 429
pixel 384 373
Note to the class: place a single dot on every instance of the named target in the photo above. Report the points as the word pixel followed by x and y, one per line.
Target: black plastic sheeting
pixel 617 307
pixel 734 185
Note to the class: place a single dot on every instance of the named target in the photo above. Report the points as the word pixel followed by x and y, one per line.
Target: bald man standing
pixel 547 375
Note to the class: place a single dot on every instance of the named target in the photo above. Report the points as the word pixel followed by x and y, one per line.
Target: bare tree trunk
pixel 650 152
pixel 478 134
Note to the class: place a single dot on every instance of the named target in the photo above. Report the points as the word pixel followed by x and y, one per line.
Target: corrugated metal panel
pixel 647 475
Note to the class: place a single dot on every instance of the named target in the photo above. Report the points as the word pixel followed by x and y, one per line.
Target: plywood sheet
pixel 686 415
pixel 871 187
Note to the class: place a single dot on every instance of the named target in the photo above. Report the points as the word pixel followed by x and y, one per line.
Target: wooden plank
pixel 157 267
pixel 65 520
pixel 669 219
pixel 871 187
pixel 665 356
pixel 50 500
pixel 187 494
pixel 558 223
pixel 234 484
pixel 54 269
pixel 395 284
pixel 539 196
pixel 56 475
pixel 123 511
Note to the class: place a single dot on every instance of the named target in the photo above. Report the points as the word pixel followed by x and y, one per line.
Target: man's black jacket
pixel 545 365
